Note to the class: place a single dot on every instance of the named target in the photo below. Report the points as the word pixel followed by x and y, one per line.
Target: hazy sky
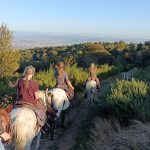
pixel 128 18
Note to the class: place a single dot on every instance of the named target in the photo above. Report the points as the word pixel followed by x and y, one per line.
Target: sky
pixel 126 18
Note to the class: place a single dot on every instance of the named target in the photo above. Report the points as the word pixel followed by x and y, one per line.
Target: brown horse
pixel 4 116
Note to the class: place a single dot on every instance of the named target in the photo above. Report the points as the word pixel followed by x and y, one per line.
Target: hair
pixel 60 71
pixel 28 71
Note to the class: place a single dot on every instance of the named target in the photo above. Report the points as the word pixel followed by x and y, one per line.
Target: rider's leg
pixel 97 83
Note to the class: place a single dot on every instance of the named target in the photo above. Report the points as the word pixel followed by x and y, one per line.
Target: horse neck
pixel 42 96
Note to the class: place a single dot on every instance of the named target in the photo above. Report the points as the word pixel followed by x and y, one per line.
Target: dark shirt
pixel 26 92
pixel 1 128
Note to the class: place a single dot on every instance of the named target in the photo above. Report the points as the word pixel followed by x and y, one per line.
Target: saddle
pixel 39 111
pixel 68 90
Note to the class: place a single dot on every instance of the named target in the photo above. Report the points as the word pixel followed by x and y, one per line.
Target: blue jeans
pixel 1 145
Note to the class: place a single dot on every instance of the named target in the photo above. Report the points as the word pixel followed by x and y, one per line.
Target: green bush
pixel 129 100
pixel 76 75
pixel 126 91
pixel 46 77
pixel 5 89
pixel 143 74
pixel 105 71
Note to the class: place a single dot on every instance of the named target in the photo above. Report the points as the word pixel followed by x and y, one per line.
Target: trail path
pixel 65 138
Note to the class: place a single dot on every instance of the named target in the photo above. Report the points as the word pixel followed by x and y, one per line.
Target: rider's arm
pixel 68 81
pixel 37 95
pixel 89 73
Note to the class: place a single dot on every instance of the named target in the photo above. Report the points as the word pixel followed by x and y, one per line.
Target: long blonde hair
pixel 28 71
pixel 60 69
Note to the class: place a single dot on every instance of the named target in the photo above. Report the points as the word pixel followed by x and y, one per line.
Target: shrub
pixel 5 89
pixel 76 75
pixel 46 77
pixel 105 70
pixel 129 100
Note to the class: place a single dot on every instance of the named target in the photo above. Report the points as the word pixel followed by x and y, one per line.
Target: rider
pixel 62 80
pixel 93 74
pixel 3 136
pixel 27 94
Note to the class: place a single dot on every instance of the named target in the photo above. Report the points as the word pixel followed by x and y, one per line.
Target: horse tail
pixel 21 136
pixel 24 127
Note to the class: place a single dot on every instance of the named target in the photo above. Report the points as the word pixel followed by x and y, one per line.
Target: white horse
pixel 25 128
pixel 60 103
pixel 90 90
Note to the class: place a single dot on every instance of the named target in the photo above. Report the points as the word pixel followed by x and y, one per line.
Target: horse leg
pixel 90 98
pixel 28 145
pixel 93 94
pixel 52 127
pixel 63 118
pixel 1 145
pixel 38 140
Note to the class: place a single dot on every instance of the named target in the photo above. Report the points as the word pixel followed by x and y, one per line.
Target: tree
pixel 9 57
pixel 121 45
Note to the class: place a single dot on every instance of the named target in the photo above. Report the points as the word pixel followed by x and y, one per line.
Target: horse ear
pixel 50 94
pixel 46 90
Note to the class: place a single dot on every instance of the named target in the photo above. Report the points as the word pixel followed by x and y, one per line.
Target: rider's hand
pixel 5 136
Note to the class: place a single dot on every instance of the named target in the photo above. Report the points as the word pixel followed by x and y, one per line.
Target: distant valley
pixel 30 39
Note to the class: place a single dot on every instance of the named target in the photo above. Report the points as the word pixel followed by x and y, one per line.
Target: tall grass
pixel 102 130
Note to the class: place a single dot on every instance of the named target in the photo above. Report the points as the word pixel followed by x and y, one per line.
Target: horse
pixel 60 103
pixel 5 118
pixel 91 89
pixel 25 126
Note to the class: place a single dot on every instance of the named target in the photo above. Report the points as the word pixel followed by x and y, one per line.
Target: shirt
pixel 26 91
pixel 61 80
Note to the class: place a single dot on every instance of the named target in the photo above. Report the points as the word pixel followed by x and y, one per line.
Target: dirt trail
pixel 65 138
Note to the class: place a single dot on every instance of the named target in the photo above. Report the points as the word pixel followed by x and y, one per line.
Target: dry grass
pixel 103 129
pixel 107 135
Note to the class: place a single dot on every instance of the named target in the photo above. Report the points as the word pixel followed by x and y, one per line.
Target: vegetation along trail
pixel 65 139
